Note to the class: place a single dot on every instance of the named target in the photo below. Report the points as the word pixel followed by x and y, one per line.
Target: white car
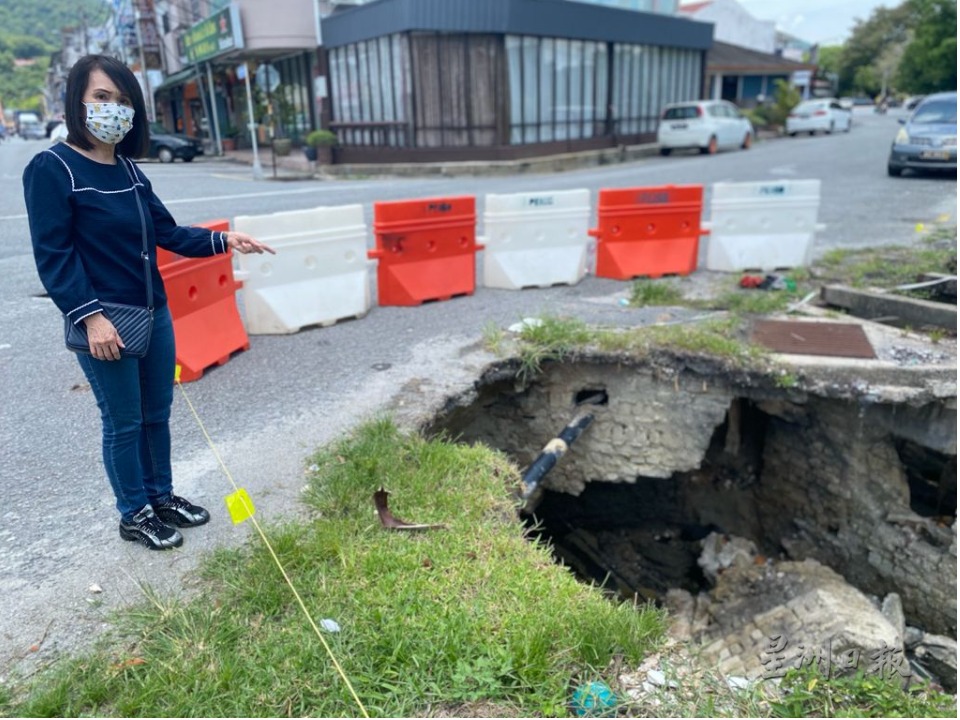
pixel 826 115
pixel 709 125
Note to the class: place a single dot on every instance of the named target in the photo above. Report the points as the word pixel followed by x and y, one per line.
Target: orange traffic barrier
pixel 648 231
pixel 201 294
pixel 426 249
pixel 165 257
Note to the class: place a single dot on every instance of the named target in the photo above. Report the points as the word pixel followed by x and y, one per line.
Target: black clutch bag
pixel 134 323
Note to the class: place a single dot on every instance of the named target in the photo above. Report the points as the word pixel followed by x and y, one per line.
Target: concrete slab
pixel 908 311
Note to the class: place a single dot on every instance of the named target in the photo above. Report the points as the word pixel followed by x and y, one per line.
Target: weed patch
pixel 889 266
pixel 806 693
pixel 655 292
pixel 557 339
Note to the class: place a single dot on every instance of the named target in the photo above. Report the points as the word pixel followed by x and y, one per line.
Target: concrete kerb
pixel 296 167
pixel 292 167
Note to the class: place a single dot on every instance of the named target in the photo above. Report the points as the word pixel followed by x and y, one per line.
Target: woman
pixel 86 228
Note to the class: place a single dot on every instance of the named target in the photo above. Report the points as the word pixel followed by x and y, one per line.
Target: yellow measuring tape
pixel 241 508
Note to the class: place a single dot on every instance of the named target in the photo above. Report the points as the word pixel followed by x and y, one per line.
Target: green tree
pixel 929 61
pixel 25 46
pixel 828 58
pixel 871 42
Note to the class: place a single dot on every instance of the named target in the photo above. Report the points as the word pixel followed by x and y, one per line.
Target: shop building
pixel 205 92
pixel 426 80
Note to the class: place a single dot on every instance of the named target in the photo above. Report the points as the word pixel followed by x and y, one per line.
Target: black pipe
pixel 548 457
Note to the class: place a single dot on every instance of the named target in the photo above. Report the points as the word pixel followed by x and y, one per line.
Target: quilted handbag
pixel 134 323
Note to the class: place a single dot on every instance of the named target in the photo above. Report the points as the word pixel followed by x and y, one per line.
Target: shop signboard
pixel 218 34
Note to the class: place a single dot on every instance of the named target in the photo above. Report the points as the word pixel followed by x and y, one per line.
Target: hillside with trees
pixel 29 32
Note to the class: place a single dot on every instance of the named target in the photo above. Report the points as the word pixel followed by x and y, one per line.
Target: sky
pixel 826 22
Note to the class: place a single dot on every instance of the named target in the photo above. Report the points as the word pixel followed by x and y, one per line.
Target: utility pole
pixel 86 34
pixel 151 113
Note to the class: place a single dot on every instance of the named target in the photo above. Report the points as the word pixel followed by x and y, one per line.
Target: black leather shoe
pixel 175 510
pixel 147 529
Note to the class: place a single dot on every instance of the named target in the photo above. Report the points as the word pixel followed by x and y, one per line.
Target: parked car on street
pixel 823 115
pixel 709 125
pixel 32 130
pixel 928 138
pixel 167 147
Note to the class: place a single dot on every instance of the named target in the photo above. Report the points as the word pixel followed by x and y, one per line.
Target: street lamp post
pixel 257 168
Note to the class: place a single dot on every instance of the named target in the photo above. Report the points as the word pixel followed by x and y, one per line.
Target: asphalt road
pixel 269 408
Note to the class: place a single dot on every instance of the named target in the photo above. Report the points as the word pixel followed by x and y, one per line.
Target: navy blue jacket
pixel 86 233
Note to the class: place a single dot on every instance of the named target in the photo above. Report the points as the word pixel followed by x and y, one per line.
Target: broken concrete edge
pixel 910 311
pixel 872 382
pixel 761 616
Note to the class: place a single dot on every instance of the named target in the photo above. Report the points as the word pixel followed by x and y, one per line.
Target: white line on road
pixel 238 196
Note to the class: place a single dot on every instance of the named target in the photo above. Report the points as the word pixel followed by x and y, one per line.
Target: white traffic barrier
pixel 762 225
pixel 535 239
pixel 318 276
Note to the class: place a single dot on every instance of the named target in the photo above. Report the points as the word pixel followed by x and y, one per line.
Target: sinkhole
pixel 833 469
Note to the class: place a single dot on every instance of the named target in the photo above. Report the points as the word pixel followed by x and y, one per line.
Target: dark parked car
pixel 928 139
pixel 167 147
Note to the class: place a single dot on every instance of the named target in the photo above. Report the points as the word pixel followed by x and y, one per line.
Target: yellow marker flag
pixel 239 505
pixel 176 374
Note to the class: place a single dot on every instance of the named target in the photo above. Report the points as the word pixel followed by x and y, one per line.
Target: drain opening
pixel 932 477
pixel 643 538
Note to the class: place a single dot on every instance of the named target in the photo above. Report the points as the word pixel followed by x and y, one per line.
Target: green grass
pixel 889 266
pixel 655 292
pixel 472 613
pixel 552 338
pixel 493 337
pixel 752 301
pixel 557 339
pixel 806 693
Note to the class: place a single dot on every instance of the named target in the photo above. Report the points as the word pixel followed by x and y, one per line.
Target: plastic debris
pixel 594 699
pixel 524 324
pixel 331 626
pixel 767 282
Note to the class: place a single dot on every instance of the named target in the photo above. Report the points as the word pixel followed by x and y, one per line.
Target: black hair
pixel 136 142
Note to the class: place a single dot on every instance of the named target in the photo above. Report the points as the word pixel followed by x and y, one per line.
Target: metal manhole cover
pixel 813 338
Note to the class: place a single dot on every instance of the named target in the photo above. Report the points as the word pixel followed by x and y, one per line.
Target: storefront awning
pixel 178 78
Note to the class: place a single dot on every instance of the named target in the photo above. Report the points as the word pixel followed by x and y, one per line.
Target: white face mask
pixel 109 122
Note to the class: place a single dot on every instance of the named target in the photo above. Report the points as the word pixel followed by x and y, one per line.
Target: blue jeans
pixel 134 396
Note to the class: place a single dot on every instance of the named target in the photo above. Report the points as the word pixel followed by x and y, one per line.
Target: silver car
pixel 928 139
